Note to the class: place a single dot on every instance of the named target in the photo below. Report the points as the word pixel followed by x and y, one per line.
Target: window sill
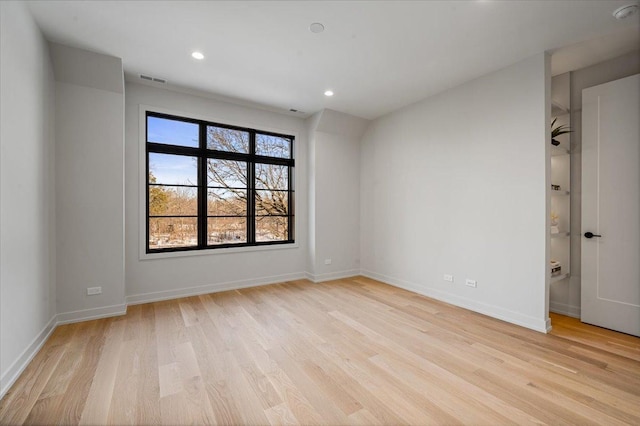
pixel 227 250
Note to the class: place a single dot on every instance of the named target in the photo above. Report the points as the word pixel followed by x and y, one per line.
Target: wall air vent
pixel 149 78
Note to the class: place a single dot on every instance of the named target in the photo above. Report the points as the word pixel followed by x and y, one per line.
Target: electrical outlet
pixel 327 261
pixel 92 291
pixel 471 283
pixel 448 277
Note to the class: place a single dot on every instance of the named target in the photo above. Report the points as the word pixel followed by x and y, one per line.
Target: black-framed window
pixel 212 185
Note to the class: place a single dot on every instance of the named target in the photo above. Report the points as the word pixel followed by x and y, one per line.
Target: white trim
pixel 332 275
pixel 15 370
pixel 548 324
pixel 91 314
pixel 157 296
pixel 226 250
pixel 472 305
pixel 142 183
pixel 564 309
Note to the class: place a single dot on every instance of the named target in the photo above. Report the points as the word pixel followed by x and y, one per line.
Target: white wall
pixel 311 125
pixel 89 182
pixel 86 68
pixel 166 277
pixel 89 201
pixel 27 250
pixel 456 184
pixel 335 190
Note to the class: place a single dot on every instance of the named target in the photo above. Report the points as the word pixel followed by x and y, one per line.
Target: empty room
pixel 320 212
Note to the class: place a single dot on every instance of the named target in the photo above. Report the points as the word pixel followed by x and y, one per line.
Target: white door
pixel 611 205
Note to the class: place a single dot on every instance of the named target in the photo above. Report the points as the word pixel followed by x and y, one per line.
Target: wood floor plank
pixel 17 404
pixel 318 400
pixel 74 352
pixel 281 415
pixel 147 393
pixel 96 410
pixel 128 383
pixel 349 351
pixel 77 393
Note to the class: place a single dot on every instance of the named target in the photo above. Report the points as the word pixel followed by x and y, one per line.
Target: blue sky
pixel 174 132
pixel 173 169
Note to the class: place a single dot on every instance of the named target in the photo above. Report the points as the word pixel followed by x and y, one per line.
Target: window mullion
pixel 147 208
pixel 202 188
pixel 290 211
pixel 251 185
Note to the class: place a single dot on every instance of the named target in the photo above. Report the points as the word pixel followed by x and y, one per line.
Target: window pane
pixel 226 173
pixel 273 146
pixel 226 230
pixel 173 132
pixel 269 203
pixel 271 176
pixel 271 228
pixel 173 169
pixel 173 232
pixel 227 202
pixel 173 201
pixel 230 140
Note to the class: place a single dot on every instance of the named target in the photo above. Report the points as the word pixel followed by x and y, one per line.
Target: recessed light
pixel 328 93
pixel 197 55
pixel 625 11
pixel 316 27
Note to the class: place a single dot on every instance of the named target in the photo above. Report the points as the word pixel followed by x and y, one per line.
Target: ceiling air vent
pixel 149 78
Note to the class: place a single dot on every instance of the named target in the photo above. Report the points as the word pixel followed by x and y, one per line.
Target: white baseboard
pixel 564 309
pixel 318 278
pixel 91 314
pixel 13 372
pixel 472 305
pixel 157 296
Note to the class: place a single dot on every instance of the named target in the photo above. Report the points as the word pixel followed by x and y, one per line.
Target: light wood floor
pixel 351 351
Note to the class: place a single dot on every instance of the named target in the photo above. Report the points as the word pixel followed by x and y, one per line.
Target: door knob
pixel 591 235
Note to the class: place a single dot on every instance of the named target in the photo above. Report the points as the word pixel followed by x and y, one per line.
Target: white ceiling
pixel 376 56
